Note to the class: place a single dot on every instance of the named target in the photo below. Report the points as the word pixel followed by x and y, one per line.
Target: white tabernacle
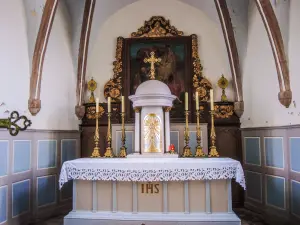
pixel 164 191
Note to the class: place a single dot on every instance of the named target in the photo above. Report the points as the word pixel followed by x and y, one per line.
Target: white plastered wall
pixel 261 87
pixel 59 80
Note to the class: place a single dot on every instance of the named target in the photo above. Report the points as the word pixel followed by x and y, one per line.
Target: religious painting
pixel 175 62
pixel 172 65
pixel 168 60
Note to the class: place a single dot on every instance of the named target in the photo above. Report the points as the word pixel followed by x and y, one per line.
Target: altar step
pixel 122 218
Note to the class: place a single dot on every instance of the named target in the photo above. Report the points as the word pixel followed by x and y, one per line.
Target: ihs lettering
pixel 150 188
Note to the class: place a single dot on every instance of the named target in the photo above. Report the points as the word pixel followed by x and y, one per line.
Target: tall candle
pixel 123 104
pixel 197 101
pixel 186 101
pixel 211 99
pixel 109 104
pixel 97 105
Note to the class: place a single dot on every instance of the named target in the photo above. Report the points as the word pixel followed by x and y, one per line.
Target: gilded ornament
pixel 157 26
pixel 223 84
pixel 91 112
pixel 167 109
pixel 200 83
pixel 213 149
pixel 152 131
pixel 223 111
pixel 92 85
pixel 113 87
pixel 137 109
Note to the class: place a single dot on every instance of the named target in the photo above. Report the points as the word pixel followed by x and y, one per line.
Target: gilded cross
pixel 152 60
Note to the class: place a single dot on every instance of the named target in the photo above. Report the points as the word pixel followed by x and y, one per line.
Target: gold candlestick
pixel 213 149
pixel 187 149
pixel 199 149
pixel 96 153
pixel 123 148
pixel 109 151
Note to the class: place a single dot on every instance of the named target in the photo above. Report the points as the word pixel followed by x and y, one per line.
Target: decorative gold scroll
pixel 113 88
pixel 157 26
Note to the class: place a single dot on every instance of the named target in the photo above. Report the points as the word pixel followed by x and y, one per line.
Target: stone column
pixel 137 144
pixel 167 128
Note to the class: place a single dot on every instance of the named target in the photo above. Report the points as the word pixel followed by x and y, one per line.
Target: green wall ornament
pixel 15 123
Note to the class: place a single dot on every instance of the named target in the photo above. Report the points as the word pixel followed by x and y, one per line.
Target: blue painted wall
pixel 23 186
pixel 22 156
pixel 46 189
pixel 68 152
pixel 274 152
pixel 275 191
pixel 254 191
pixel 252 151
pixel 4 157
pixel 3 204
pixel 47 154
pixel 20 197
pixel 295 154
pixel 295 200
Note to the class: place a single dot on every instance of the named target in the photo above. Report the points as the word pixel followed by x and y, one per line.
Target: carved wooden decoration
pixel 156 27
pixel 82 55
pixel 34 102
pixel 232 54
pixel 272 27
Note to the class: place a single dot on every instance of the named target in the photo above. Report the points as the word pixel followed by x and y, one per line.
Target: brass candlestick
pixel 213 149
pixel 199 149
pixel 96 153
pixel 187 149
pixel 123 148
pixel 109 151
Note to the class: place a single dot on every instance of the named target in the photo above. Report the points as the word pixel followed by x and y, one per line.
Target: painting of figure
pixel 170 69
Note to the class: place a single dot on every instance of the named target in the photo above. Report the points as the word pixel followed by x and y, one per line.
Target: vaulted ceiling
pixel 230 15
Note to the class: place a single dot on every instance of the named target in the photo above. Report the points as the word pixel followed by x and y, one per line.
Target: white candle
pixel 123 104
pixel 211 99
pixel 186 101
pixel 97 105
pixel 109 104
pixel 197 101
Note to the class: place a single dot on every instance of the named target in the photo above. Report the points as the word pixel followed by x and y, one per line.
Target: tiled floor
pixel 248 218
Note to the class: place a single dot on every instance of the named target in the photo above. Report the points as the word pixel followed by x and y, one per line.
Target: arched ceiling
pixel 105 8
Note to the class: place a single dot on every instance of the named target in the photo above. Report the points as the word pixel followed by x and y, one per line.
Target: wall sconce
pixel 15 123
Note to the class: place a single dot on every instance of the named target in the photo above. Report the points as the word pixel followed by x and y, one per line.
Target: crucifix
pixel 152 60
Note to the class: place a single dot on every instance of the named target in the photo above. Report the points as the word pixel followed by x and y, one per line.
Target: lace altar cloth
pixel 152 169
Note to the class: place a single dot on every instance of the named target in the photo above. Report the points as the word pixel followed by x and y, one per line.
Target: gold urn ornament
pixel 223 84
pixel 92 85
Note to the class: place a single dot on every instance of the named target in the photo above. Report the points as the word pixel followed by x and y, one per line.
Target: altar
pixel 151 181
pixel 152 191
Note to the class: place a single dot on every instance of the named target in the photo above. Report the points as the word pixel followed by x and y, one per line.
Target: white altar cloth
pixel 152 169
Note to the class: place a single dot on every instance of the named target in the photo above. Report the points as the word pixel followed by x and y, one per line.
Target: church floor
pixel 247 217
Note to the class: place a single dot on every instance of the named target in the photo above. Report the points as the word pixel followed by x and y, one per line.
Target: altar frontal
pixel 152 191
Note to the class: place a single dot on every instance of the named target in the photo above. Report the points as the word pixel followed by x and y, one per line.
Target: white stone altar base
pixel 152 191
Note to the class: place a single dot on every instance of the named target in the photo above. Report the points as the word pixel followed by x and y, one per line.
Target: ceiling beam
pixel 34 102
pixel 82 55
pixel 273 30
pixel 233 56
